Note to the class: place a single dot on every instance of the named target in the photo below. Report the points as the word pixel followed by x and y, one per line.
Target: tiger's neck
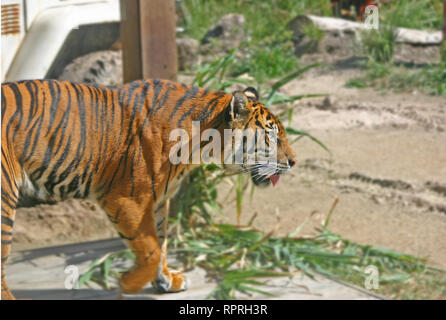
pixel 159 107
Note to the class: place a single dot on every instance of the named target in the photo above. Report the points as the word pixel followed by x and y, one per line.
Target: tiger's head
pixel 266 152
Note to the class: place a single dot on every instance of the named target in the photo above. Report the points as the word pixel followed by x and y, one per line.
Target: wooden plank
pixel 158 38
pixel 131 46
pixel 443 46
pixel 148 39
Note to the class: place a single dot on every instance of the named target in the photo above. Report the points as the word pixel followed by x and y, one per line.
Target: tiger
pixel 110 145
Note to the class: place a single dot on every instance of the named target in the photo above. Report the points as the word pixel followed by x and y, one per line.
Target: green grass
pixel 430 79
pixel 268 50
pixel 379 45
pixel 264 18
pixel 413 14
pixel 267 62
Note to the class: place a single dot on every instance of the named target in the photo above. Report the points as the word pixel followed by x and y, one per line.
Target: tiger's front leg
pixel 167 281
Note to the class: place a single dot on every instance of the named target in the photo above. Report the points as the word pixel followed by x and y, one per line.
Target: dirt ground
pixel 387 167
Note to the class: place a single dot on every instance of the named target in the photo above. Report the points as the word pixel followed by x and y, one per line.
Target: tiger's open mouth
pixel 264 180
pixel 274 179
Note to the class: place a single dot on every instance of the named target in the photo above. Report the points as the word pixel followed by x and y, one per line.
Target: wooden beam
pixel 130 39
pixel 443 45
pixel 158 41
pixel 148 39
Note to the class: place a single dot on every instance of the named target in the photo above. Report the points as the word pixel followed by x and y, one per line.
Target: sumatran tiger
pixel 110 145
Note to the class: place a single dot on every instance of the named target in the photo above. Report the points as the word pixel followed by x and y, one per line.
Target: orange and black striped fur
pixel 111 145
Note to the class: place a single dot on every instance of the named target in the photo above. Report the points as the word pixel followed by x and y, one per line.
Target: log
pixel 403 35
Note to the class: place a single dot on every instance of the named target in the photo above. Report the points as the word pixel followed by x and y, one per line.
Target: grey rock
pixel 101 67
pixel 188 52
pixel 338 42
pixel 229 31
pixel 302 43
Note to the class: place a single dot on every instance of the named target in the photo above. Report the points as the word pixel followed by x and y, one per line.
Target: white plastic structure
pixel 48 31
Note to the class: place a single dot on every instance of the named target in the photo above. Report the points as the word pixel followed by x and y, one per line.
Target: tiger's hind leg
pixel 10 195
pixel 7 224
pixel 167 281
pixel 135 223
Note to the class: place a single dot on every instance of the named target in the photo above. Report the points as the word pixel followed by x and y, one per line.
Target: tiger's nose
pixel 291 162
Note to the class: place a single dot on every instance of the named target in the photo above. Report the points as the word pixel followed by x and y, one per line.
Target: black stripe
pixel 9 196
pixel 157 86
pixel 18 111
pixel 209 109
pixel 6 175
pixel 37 134
pixel 160 223
pixel 190 94
pixel 7 221
pixel 100 154
pixel 163 101
pixel 168 177
pixel 124 237
pixel 6 201
pixel 185 115
pixel 4 102
pixel 55 96
pixel 50 184
pixel 34 101
pixel 153 188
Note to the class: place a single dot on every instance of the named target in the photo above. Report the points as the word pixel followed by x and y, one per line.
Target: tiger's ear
pixel 238 113
pixel 251 93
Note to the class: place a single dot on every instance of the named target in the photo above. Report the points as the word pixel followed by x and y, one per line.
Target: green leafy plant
pixel 239 257
pixel 100 270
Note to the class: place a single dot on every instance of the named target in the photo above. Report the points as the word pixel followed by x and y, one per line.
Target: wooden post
pixel 148 39
pixel 443 44
pixel 130 39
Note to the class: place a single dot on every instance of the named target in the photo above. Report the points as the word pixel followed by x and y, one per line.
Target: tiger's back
pixel 68 137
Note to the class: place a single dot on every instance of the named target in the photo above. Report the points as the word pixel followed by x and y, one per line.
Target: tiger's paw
pixel 128 283
pixel 175 282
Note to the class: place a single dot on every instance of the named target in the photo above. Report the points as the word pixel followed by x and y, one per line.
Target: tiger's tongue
pixel 274 179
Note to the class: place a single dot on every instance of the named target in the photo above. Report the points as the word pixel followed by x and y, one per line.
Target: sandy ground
pixel 387 167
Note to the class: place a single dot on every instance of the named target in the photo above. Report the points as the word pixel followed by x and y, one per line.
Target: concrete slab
pixel 40 274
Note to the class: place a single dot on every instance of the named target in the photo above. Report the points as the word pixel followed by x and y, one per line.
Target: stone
pixel 229 31
pixel 303 44
pixel 188 52
pixel 100 67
